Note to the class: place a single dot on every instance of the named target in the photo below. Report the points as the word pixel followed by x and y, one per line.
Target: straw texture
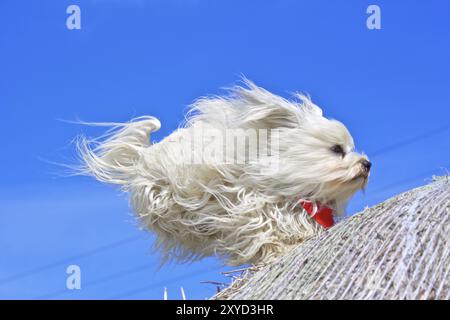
pixel 398 249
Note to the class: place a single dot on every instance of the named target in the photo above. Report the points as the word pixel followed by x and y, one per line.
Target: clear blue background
pixel 131 58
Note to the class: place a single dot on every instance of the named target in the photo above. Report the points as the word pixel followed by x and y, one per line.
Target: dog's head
pixel 320 155
pixel 315 156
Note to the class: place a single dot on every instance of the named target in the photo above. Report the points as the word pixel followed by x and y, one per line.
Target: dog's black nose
pixel 366 164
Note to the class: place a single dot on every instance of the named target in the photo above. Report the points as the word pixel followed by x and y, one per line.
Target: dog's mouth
pixel 361 179
pixel 362 175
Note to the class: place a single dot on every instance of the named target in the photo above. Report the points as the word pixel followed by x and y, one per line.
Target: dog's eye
pixel 338 149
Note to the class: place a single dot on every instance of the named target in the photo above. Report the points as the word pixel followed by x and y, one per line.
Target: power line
pixel 406 180
pixel 119 243
pixel 69 259
pixel 98 281
pixel 126 273
pixel 119 274
pixel 411 140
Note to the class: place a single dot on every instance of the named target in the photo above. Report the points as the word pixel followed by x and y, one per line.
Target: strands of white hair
pixel 241 212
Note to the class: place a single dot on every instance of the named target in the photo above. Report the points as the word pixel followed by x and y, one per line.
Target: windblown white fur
pixel 242 212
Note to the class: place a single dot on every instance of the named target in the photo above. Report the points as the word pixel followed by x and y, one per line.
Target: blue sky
pixel 132 58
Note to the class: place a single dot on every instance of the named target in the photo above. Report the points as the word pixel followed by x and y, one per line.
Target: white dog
pixel 247 205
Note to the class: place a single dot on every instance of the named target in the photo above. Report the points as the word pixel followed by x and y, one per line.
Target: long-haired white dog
pixel 243 205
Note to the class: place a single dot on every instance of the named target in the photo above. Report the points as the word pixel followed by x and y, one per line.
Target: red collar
pixel 323 215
